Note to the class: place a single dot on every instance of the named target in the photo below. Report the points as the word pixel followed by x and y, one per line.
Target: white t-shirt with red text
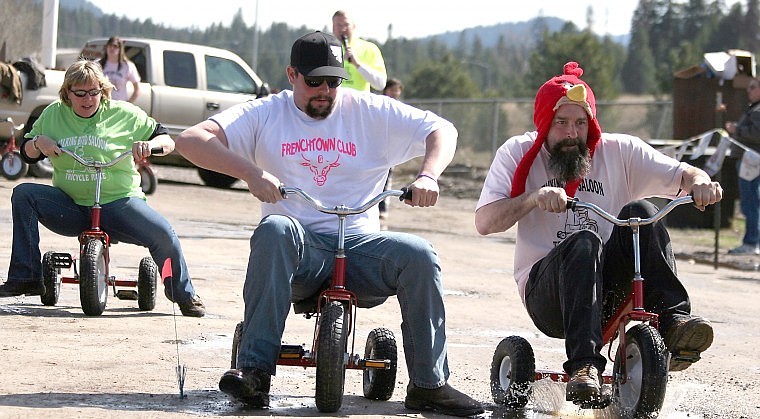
pixel 340 160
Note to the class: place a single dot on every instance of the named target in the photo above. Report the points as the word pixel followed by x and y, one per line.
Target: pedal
pixel 291 351
pixel 379 364
pixel 599 402
pixel 685 356
pixel 62 260
pixel 126 294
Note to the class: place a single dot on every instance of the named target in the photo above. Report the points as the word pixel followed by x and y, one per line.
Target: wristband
pixel 427 176
pixel 34 144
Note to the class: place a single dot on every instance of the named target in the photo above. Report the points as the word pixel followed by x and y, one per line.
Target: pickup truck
pixel 182 84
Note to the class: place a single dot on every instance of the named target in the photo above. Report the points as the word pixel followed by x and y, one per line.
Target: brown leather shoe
pixel 445 400
pixel 249 386
pixel 686 338
pixel 16 288
pixel 193 308
pixel 585 385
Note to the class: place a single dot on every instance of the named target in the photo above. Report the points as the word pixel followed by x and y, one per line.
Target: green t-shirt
pixel 102 137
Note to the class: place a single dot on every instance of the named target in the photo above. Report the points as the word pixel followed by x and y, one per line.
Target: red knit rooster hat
pixel 565 89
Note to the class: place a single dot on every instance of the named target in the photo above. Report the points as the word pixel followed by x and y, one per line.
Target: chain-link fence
pixel 484 124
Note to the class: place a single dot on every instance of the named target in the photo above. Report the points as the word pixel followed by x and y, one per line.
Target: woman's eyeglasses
pixel 332 82
pixel 83 93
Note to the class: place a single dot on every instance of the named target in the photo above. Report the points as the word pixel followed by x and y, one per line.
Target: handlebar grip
pixel 156 150
pixel 406 195
pixel 571 203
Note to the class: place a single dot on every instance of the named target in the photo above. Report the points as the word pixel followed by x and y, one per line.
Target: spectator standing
pixel 393 88
pixel 120 70
pixel 747 131
pixel 363 60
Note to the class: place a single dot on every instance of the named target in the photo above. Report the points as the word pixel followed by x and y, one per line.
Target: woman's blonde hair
pixel 84 72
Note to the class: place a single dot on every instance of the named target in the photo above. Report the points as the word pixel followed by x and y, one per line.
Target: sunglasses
pixel 332 82
pixel 83 93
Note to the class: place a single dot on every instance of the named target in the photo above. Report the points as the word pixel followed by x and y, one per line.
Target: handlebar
pixel 342 210
pixel 97 164
pixel 575 203
pixel 14 128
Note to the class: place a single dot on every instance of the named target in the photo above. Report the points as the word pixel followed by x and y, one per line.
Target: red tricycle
pixel 640 372
pixel 93 275
pixel 335 311
pixel 12 166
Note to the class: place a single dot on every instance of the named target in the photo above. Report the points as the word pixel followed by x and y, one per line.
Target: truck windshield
pixel 225 75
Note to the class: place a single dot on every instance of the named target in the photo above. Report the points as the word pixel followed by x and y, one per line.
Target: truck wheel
pixel 513 370
pixel 93 290
pixel 331 357
pixel 379 383
pixel 646 370
pixel 215 179
pixel 41 169
pixel 148 181
pixel 51 279
pixel 12 167
pixel 146 284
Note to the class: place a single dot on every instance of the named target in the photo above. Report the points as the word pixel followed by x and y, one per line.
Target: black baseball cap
pixel 318 54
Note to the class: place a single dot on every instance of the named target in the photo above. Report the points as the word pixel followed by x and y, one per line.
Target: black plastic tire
pixel 93 289
pixel 147 279
pixel 331 360
pixel 236 345
pixel 148 181
pixel 646 364
pixel 12 166
pixel 51 279
pixel 379 384
pixel 41 169
pixel 216 179
pixel 513 371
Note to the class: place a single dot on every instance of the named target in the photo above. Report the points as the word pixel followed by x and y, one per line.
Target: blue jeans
pixel 290 263
pixel 581 282
pixel 128 220
pixel 749 201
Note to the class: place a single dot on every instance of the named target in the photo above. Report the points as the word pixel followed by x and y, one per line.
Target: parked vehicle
pixel 182 84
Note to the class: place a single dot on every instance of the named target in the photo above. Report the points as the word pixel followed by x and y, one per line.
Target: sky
pixel 410 18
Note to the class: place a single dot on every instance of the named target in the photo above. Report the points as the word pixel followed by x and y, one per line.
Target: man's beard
pixel 570 165
pixel 320 113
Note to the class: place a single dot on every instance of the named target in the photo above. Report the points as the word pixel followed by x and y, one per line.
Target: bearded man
pixel 573 270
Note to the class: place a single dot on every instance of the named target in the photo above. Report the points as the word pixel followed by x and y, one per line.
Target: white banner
pixel 715 162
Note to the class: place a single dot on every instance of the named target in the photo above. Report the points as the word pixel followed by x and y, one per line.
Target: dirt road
pixel 56 362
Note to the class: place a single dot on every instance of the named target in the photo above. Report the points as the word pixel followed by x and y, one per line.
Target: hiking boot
pixel 585 385
pixel 445 400
pixel 17 288
pixel 686 338
pixel 249 386
pixel 745 249
pixel 192 308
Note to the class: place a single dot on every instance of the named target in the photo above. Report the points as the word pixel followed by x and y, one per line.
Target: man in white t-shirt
pixel 573 270
pixel 337 145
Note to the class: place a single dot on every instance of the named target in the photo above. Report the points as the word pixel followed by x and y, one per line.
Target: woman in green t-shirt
pixel 87 122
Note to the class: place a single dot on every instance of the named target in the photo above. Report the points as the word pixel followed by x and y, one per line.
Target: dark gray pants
pixel 579 285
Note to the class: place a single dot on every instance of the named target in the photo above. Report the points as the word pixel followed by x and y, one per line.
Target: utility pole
pixel 49 33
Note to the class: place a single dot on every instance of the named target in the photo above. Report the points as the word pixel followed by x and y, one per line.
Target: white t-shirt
pixel 119 78
pixel 624 169
pixel 340 160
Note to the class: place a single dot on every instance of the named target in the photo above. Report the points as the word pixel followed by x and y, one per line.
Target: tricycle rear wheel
pixel 51 280
pixel 147 275
pixel 379 383
pixel 513 370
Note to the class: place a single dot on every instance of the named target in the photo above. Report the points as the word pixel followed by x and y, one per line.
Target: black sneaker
pixel 445 400
pixel 585 385
pixel 249 386
pixel 686 338
pixel 17 288
pixel 192 308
